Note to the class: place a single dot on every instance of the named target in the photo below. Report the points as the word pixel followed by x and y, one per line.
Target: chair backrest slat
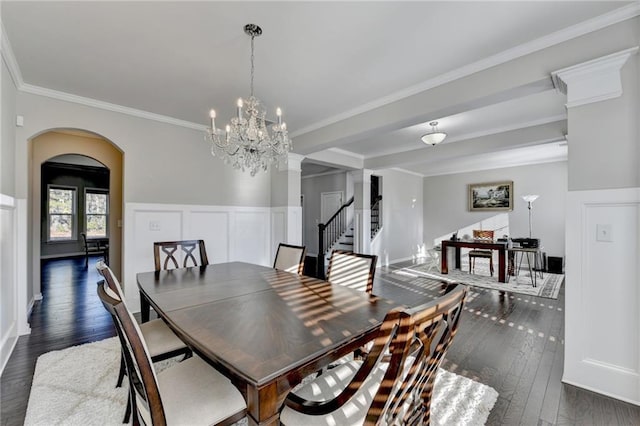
pixel 483 235
pixel 173 251
pixel 423 336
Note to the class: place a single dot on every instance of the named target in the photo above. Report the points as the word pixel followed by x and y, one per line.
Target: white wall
pixel 446 203
pixel 401 234
pixel 602 349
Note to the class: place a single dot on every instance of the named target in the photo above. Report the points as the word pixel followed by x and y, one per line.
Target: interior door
pixel 330 202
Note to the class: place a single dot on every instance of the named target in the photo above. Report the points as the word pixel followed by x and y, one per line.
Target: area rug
pixel 76 386
pixel 548 286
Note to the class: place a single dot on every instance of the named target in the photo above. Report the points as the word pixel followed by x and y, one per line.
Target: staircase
pixel 336 234
pixel 344 243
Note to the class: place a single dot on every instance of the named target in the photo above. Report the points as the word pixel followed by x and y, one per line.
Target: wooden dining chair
pixel 375 392
pixel 190 392
pixel 176 251
pixel 353 270
pixel 171 255
pixel 161 341
pixel 290 258
pixel 94 246
pixel 483 236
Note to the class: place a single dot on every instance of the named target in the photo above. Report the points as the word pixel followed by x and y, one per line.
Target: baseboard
pixel 601 392
pixel 391 262
pixel 6 346
pixel 63 255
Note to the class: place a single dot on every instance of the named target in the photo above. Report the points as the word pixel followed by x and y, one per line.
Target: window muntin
pixel 96 213
pixel 62 213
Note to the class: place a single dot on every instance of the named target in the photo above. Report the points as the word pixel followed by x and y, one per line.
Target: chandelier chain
pixel 252 65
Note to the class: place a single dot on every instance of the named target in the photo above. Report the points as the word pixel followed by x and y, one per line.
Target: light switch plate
pixel 604 233
pixel 154 225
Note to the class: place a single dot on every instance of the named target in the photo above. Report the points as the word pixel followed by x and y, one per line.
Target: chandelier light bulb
pixel 212 114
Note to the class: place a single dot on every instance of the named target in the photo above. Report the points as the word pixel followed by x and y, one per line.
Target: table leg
pixel 458 262
pixel 145 308
pixel 501 266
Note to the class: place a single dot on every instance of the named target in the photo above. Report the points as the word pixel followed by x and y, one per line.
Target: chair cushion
pixel 481 253
pixel 159 338
pixel 329 385
pixel 194 393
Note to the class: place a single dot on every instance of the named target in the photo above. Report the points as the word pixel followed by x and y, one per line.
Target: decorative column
pixel 362 211
pixel 286 211
pixel 602 331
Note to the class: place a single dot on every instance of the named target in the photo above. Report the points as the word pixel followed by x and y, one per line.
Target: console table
pixel 501 247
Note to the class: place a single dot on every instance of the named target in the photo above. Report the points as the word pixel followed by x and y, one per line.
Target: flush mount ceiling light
pixel 249 141
pixel 435 136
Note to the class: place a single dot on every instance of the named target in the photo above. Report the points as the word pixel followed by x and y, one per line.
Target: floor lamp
pixel 529 199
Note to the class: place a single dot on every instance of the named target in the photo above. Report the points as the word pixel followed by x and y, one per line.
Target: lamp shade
pixel 435 136
pixel 530 198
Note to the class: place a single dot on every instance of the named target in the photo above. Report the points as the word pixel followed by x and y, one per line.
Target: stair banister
pixel 329 233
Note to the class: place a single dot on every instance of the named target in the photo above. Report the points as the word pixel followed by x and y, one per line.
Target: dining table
pixel 265 329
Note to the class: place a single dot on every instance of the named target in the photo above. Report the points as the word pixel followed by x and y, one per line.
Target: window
pixel 97 212
pixel 62 213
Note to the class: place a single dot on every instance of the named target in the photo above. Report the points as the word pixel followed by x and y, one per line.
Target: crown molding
pixel 10 58
pixel 592 81
pixel 591 25
pixel 68 97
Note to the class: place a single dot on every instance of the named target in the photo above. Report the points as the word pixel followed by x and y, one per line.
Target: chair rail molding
pixel 592 81
pixel 602 288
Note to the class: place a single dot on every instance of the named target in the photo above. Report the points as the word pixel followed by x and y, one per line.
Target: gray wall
pixel 446 203
pixel 163 163
pixel 402 215
pixel 7 134
pixel 311 189
pixel 606 156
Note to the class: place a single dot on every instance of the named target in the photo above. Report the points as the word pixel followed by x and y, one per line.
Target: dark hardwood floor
pixel 69 314
pixel 511 342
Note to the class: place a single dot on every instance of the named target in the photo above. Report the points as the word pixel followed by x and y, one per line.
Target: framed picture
pixel 492 196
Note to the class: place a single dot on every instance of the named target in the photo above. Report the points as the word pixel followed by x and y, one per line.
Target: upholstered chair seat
pixel 194 393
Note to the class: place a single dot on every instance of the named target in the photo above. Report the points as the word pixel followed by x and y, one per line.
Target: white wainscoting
pixel 8 287
pixel 230 233
pixel 286 227
pixel 602 319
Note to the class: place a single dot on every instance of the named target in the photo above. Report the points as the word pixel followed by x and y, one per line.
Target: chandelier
pixel 435 136
pixel 250 141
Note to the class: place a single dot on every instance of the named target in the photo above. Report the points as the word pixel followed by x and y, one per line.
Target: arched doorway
pixel 61 142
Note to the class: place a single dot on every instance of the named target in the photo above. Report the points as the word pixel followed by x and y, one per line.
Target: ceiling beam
pixel 519 138
pixel 519 77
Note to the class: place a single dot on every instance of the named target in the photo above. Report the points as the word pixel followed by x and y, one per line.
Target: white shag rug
pixel 76 386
